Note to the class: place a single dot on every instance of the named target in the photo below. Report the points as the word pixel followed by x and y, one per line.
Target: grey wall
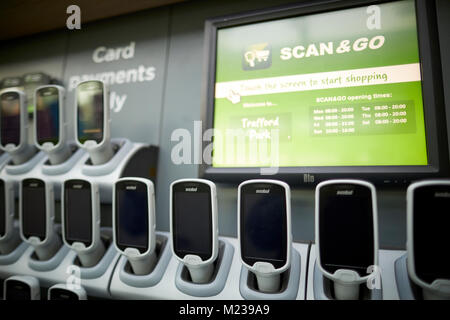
pixel 170 39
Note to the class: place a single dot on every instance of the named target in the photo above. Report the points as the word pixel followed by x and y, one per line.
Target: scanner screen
pixel 62 294
pixel 192 220
pixel 263 224
pixel 132 215
pixel 47 115
pixel 34 215
pixel 78 212
pixel 10 118
pixel 17 290
pixel 2 209
pixel 90 106
pixel 346 236
pixel 431 210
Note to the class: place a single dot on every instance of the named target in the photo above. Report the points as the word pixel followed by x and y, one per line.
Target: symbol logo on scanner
pixel 442 195
pixel 344 193
pixel 192 189
pixel 262 191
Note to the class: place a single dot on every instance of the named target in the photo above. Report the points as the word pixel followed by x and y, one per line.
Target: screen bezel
pixel 85 185
pixel 432 91
pixel 43 185
pixel 333 187
pixel 23 286
pixel 56 294
pixel 121 185
pixel 250 188
pixel 61 124
pixel 20 99
pixel 3 209
pixel 105 133
pixel 179 187
pixel 410 244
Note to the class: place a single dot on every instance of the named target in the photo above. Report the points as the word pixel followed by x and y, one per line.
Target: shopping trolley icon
pixel 257 56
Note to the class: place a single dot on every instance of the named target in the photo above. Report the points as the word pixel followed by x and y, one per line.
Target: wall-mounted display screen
pixel 10 118
pixel 47 115
pixel 337 88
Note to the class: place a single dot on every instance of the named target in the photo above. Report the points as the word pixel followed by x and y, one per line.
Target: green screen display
pixel 341 88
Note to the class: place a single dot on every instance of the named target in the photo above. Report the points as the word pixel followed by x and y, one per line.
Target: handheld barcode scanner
pixel 64 292
pixel 193 226
pixel 81 220
pixel 37 213
pixel 9 237
pixel 264 226
pixel 92 125
pixel 428 239
pixel 134 222
pixel 346 233
pixel 14 126
pixel 50 123
pixel 21 288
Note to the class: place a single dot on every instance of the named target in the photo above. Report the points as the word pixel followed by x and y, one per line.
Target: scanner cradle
pixel 199 271
pixel 140 264
pixel 89 256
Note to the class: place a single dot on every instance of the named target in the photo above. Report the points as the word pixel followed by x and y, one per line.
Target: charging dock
pixel 222 266
pixel 13 256
pixel 95 280
pixel 100 268
pixel 289 286
pixel 51 263
pixel 121 148
pixel 61 168
pixel 129 160
pixel 19 169
pixel 384 287
pixel 4 159
pixel 324 288
pixel 163 255
pixel 407 290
